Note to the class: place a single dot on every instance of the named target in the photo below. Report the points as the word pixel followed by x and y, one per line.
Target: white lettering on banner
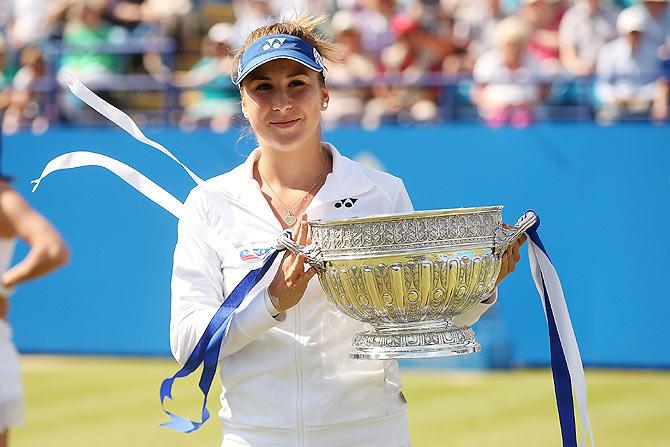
pixel 274 43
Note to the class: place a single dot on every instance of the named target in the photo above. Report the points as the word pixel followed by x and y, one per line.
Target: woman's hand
pixel 290 282
pixel 510 257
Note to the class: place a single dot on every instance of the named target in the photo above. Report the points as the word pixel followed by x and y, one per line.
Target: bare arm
pixel 572 62
pixel 47 249
pixel 660 106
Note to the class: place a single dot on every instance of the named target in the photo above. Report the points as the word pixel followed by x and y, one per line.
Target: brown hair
pixel 305 27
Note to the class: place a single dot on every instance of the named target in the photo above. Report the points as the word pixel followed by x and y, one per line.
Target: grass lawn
pixel 105 402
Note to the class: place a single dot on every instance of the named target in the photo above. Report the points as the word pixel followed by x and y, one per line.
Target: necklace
pixel 289 217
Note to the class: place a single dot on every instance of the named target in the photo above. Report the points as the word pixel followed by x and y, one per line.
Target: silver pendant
pixel 289 219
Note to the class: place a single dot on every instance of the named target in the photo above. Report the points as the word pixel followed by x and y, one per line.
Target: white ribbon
pixel 137 180
pixel 120 118
pixel 134 178
pixel 544 273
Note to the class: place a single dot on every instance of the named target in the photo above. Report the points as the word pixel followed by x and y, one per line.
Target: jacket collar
pixel 346 180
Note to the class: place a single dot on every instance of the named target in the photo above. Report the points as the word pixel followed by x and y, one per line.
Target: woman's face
pixel 282 101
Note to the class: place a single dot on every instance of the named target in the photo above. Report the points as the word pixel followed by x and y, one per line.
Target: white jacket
pixel 287 381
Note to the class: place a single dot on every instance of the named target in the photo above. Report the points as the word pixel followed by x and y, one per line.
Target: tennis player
pixel 47 252
pixel 284 363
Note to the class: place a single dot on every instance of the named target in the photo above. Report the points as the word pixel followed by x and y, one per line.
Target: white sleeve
pixel 605 70
pixel 482 71
pixel 401 202
pixel 198 292
pixel 471 316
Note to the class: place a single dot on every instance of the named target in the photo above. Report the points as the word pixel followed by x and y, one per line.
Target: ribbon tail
pixel 206 351
pixel 137 180
pixel 180 424
pixel 564 349
pixel 131 176
pixel 121 119
pixel 567 338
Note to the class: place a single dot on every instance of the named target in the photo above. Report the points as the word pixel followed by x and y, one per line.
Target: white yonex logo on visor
pixel 318 58
pixel 274 43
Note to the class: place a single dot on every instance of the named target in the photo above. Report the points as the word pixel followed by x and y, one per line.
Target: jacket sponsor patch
pixel 255 254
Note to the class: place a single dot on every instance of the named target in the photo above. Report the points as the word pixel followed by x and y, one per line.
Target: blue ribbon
pixel 559 364
pixel 208 347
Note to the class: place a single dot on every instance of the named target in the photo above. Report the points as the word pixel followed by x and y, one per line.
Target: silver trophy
pixel 409 275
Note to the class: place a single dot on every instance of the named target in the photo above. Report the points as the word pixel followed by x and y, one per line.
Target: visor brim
pixel 295 56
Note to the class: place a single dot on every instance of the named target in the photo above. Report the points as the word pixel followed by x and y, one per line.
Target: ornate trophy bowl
pixel 411 275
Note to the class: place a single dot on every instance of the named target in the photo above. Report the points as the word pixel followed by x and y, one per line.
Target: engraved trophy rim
pixel 409 274
pixel 404 216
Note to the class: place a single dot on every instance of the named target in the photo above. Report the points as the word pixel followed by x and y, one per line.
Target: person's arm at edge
pixel 48 250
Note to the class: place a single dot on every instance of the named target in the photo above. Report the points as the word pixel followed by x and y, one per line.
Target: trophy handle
pixel 505 236
pixel 312 252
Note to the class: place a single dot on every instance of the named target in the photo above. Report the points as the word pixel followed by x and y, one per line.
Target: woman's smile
pixel 285 124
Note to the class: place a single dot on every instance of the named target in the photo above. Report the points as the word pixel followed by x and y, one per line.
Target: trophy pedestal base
pixel 419 342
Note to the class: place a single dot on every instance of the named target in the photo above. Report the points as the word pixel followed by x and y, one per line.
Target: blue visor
pixel 278 46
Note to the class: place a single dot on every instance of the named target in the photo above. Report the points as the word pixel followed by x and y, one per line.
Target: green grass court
pixel 105 402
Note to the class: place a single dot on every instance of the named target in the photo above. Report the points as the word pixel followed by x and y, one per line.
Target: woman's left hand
pixel 510 257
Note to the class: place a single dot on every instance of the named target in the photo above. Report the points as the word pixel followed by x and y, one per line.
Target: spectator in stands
pixel 456 60
pixel 85 31
pixel 25 105
pixel 661 107
pixel 218 98
pixel 475 22
pixel 5 90
pixel 415 54
pixel 145 18
pixel 29 22
pixel 251 14
pixel 622 4
pixel 347 99
pixel 507 7
pixel 585 28
pixel 629 82
pixel 506 78
pixel 294 8
pixel 543 18
pixel 374 21
pixel 657 15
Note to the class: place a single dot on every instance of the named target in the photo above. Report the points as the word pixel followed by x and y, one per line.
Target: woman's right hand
pixel 290 282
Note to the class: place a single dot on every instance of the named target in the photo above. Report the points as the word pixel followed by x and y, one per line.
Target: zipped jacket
pixel 287 380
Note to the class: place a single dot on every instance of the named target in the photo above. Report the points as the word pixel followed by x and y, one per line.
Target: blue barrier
pixel 602 194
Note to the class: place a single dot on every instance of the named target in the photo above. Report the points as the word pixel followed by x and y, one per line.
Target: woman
pixel 506 79
pixel 285 368
pixel 47 252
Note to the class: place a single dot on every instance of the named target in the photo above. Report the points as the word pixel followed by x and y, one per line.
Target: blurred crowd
pixel 506 62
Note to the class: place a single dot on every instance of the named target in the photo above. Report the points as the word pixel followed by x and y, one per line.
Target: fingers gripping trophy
pixel 392 282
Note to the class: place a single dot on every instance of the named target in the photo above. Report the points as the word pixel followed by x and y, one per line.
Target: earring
pixel 324 104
